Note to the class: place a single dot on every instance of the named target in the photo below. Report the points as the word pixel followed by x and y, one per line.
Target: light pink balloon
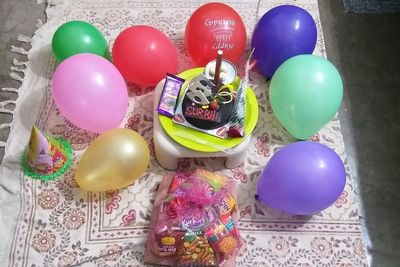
pixel 90 92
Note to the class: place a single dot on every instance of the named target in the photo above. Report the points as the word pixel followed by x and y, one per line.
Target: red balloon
pixel 212 27
pixel 144 55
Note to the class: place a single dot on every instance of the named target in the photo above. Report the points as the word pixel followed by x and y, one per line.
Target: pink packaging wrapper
pixel 150 256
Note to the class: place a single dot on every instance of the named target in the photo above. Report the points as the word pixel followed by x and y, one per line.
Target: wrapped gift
pixel 193 221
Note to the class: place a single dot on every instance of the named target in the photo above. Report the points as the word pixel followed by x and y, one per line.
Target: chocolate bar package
pixel 170 95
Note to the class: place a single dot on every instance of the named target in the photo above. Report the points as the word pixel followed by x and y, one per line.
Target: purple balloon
pixel 302 178
pixel 281 33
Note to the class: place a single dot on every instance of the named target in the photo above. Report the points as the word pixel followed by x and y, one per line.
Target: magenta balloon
pixel 90 92
pixel 302 178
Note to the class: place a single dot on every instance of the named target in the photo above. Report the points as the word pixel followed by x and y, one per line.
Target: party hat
pixel 46 157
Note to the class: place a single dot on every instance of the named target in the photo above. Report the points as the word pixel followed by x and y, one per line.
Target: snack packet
pixel 168 240
pixel 224 238
pixel 196 250
pixel 217 181
pixel 225 204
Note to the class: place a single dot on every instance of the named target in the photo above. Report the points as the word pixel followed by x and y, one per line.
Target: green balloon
pixel 76 37
pixel 305 93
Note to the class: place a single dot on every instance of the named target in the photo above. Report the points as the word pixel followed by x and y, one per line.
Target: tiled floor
pixel 366 49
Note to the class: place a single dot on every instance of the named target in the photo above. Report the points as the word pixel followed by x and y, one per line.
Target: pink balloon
pixel 90 92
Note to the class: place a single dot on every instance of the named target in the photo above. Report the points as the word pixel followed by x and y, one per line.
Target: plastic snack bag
pixel 193 221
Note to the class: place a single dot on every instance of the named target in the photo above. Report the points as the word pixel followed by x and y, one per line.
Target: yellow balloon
pixel 114 160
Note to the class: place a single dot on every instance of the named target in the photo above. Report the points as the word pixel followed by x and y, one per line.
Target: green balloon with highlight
pixel 75 37
pixel 305 94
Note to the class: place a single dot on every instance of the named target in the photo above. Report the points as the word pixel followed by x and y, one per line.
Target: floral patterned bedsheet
pixel 57 224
